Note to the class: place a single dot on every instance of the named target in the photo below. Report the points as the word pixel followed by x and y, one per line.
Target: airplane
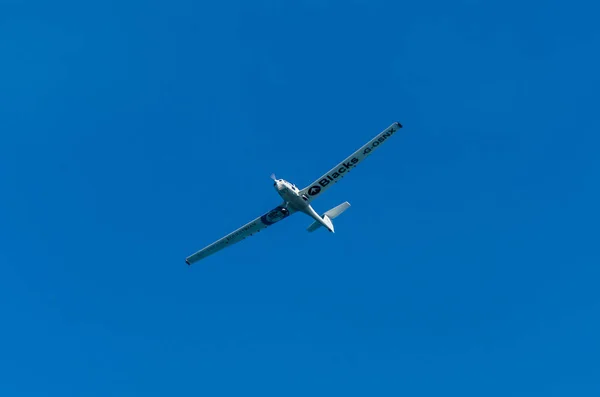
pixel 296 200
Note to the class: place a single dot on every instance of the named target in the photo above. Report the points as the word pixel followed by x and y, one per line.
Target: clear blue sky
pixel 133 133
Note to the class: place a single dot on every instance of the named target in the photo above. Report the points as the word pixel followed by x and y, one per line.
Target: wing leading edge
pixel 260 223
pixel 339 171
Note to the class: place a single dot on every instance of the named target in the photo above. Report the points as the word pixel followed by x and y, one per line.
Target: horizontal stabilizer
pixel 337 211
pixel 331 214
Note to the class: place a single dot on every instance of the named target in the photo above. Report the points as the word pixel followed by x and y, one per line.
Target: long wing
pixel 268 219
pixel 343 168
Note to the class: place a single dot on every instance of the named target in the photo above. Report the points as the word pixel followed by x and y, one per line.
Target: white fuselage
pixel 291 195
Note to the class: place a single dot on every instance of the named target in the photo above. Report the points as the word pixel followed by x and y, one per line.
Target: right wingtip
pixel 399 124
pixel 188 262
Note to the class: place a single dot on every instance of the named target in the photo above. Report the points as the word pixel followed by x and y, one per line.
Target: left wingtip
pixel 188 262
pixel 398 124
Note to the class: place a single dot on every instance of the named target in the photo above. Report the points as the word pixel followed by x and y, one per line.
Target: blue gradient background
pixel 133 133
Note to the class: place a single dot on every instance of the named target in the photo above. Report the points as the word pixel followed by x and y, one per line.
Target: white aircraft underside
pixel 295 200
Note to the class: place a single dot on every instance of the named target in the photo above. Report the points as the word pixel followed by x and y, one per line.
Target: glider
pixel 295 200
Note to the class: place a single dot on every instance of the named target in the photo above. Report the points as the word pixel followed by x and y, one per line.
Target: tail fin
pixel 331 214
